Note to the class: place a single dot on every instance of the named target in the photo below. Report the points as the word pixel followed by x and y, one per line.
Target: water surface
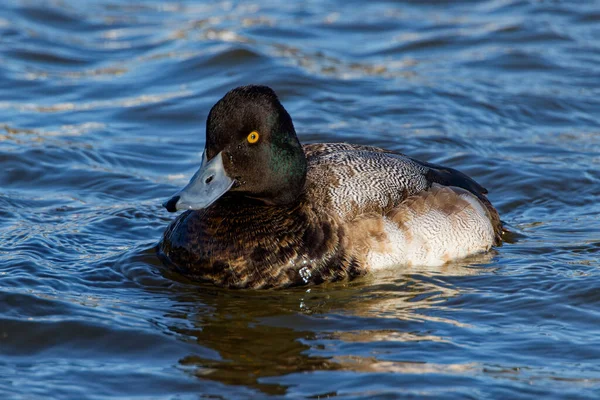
pixel 102 112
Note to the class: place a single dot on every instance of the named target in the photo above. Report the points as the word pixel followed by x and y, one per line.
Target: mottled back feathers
pixel 365 178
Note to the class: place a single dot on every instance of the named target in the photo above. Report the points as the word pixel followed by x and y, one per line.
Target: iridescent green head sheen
pixel 252 150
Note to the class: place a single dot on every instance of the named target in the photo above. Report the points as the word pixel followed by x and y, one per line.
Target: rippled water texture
pixel 102 111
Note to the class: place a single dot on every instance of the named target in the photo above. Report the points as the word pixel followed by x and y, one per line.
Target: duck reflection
pixel 250 347
pixel 269 334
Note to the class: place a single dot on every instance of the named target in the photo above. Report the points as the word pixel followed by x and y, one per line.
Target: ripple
pixel 102 115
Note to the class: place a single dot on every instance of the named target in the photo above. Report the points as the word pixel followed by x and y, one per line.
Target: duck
pixel 264 211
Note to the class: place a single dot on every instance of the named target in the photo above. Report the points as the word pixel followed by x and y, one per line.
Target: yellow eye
pixel 253 137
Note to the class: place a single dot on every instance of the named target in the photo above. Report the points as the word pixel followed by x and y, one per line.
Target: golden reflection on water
pixel 371 364
pixel 280 332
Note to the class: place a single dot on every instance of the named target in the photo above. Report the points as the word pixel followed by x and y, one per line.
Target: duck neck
pixel 287 170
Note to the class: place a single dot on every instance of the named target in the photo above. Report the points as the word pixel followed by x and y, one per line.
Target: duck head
pixel 251 150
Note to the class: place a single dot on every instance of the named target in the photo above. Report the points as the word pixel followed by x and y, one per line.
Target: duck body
pixel 359 208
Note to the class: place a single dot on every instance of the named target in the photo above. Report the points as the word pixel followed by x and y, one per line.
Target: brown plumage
pixel 245 244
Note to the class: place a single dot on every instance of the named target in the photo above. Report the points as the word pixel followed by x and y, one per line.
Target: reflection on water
pixel 256 336
pixel 102 113
pixel 275 333
pixel 250 350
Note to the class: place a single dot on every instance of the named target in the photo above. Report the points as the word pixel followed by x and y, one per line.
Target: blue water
pixel 102 112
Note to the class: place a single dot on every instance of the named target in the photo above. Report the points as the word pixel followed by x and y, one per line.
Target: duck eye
pixel 253 137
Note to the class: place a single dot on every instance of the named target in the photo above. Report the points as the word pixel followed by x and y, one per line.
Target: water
pixel 102 109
